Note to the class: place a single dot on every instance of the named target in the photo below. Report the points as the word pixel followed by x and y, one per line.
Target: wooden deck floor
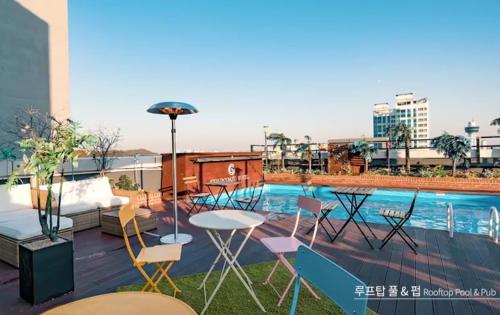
pixel 467 261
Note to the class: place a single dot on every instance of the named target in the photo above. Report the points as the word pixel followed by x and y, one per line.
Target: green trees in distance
pixel 282 142
pixel 453 147
pixel 496 122
pixel 364 149
pixel 401 134
pixel 305 149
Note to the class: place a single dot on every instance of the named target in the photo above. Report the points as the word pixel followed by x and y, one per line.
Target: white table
pixel 228 220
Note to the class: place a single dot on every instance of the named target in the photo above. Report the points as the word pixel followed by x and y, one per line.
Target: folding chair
pixel 326 208
pixel 249 203
pixel 396 220
pixel 281 245
pixel 334 281
pixel 197 198
pixel 159 255
pixel 308 189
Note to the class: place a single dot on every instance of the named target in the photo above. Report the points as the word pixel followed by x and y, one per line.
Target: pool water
pixel 471 210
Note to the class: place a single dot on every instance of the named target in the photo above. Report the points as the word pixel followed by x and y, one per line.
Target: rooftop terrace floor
pixel 467 261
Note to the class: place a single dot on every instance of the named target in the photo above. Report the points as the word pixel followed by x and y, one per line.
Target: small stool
pixel 110 222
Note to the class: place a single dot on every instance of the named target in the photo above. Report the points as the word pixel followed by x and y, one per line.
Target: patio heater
pixel 174 109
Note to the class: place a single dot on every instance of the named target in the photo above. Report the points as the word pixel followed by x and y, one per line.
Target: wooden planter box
pixel 45 269
pixel 143 199
pixel 110 222
pixel 478 185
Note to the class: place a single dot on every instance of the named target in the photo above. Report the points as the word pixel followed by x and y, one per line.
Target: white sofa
pixel 19 222
pixel 85 200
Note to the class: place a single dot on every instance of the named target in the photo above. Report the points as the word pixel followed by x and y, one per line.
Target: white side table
pixel 229 220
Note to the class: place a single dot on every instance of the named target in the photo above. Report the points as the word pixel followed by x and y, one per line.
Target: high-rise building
pixel 409 111
pixel 34 60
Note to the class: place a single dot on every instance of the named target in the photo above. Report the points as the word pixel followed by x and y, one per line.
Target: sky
pixel 301 67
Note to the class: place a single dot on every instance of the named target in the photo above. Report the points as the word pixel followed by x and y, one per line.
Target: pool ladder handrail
pixel 493 217
pixel 451 220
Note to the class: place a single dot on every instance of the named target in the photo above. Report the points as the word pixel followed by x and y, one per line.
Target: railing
pixel 451 220
pixel 493 219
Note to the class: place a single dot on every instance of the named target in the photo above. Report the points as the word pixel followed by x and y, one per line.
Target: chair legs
pixel 153 280
pixel 196 205
pixel 397 227
pixel 282 296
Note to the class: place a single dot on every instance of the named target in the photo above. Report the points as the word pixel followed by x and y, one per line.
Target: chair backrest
pixel 15 198
pixel 311 205
pixel 334 281
pixel 191 181
pixel 308 189
pixel 127 216
pixel 412 206
pixel 257 189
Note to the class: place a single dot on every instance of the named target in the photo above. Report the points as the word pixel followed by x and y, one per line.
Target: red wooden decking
pixel 467 261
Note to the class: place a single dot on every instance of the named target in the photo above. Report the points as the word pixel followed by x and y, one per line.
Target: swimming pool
pixel 471 210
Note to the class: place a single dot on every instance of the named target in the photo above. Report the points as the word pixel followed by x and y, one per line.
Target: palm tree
pixel 453 147
pixel 401 134
pixel 366 150
pixel 496 122
pixel 306 151
pixel 283 142
pixel 8 155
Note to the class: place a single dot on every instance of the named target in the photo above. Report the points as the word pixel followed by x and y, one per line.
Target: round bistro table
pixel 228 220
pixel 125 303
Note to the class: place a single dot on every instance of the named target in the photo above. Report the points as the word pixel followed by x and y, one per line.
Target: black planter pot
pixel 45 270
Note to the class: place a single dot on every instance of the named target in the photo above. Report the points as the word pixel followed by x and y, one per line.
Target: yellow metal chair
pixel 160 255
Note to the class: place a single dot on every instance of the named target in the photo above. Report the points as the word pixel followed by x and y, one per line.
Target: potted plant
pixel 46 266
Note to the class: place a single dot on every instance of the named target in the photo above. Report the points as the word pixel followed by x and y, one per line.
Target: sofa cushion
pixel 90 190
pixel 14 214
pixel 18 197
pixel 87 194
pixel 113 201
pixel 77 208
pixel 28 226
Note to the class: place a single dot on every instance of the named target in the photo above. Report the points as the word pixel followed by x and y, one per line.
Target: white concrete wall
pixel 34 59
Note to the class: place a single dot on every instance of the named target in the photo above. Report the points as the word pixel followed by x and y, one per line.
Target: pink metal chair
pixel 282 244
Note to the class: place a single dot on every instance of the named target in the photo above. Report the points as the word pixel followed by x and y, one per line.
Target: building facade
pixel 408 110
pixel 34 60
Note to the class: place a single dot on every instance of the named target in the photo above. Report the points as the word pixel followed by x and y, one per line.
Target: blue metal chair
pixel 334 281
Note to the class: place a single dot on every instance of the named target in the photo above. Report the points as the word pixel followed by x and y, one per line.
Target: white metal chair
pixel 289 244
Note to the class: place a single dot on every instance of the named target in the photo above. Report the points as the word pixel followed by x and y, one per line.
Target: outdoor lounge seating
pixel 334 281
pixel 19 222
pixel 281 245
pixel 397 220
pixel 85 200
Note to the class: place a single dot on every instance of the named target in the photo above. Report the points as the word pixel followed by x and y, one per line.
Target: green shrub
pixel 437 171
pixel 379 171
pixel 490 173
pixel 125 183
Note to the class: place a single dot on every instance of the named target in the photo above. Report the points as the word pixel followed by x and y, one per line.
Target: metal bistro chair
pixel 334 281
pixel 326 208
pixel 282 244
pixel 396 220
pixel 197 198
pixel 249 203
pixel 159 255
